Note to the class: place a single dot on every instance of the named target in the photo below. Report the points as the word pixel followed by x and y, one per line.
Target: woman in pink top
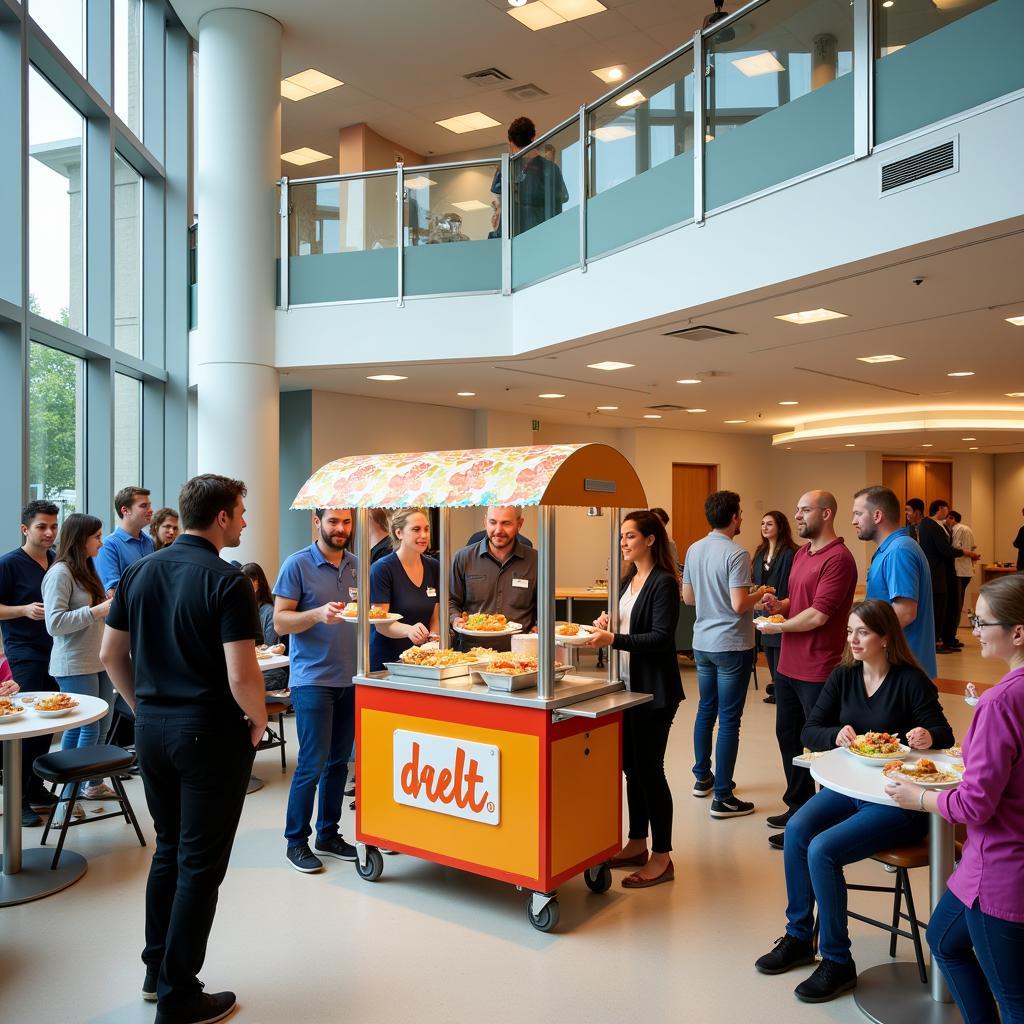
pixel 8 687
pixel 976 932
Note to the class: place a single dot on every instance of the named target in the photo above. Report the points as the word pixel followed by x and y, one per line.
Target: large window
pixel 127 257
pixel 127 431
pixel 128 63
pixel 56 206
pixel 56 427
pixel 64 22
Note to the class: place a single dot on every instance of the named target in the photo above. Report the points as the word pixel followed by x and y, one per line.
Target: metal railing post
pixel 583 188
pixel 506 224
pixel 699 126
pixel 863 78
pixel 282 272
pixel 614 584
pixel 444 627
pixel 363 590
pixel 546 602
pixel 400 229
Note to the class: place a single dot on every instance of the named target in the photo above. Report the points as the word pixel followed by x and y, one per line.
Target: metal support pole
pixel 12 806
pixel 506 224
pixel 614 585
pixel 400 229
pixel 583 188
pixel 363 591
pixel 285 246
pixel 546 602
pixel 863 78
pixel 941 847
pixel 444 526
pixel 699 129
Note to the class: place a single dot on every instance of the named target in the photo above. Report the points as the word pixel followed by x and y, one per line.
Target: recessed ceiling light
pixel 789 403
pixel 304 156
pixel 927 446
pixel 573 9
pixel 961 373
pixel 651 416
pixel 811 316
pixel 471 204
pixel 1014 394
pixel 696 410
pixel 610 364
pixel 734 421
pixel 880 359
pixel 968 439
pixel 615 73
pixel 758 64
pixel 387 376
pixel 551 394
pixel 631 99
pixel 419 181
pixel 307 83
pixel 887 3
pixel 517 3
pixel 536 16
pixel 689 380
pixel 473 122
pixel 607 408
pixel 466 394
pixel 849 446
pixel 973 448
pixel 613 132
pixel 1017 321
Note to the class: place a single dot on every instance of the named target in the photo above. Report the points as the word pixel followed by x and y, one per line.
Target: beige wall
pixel 1008 485
pixel 360 148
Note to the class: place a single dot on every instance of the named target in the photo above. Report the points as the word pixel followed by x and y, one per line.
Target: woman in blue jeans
pixel 878 687
pixel 75 606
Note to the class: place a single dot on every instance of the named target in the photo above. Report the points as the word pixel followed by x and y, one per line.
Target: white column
pixel 238 107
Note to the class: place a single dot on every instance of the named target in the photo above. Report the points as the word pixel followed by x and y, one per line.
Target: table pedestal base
pixel 36 880
pixel 893 994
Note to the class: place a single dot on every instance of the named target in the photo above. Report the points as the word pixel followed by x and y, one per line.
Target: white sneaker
pixel 100 792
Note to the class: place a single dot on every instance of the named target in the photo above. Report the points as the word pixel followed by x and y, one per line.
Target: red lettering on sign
pixel 445 785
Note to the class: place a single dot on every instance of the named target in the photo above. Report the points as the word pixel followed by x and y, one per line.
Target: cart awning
pixel 548 474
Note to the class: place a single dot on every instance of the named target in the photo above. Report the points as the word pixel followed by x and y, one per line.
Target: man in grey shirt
pixel 496 576
pixel 716 578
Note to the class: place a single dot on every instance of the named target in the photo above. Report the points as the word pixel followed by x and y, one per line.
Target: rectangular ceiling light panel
pixel 473 122
pixel 613 132
pixel 759 64
pixel 307 83
pixel 536 16
pixel 471 204
pixel 304 156
pixel 811 316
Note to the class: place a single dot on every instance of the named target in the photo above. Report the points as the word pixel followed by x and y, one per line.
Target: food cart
pixel 523 785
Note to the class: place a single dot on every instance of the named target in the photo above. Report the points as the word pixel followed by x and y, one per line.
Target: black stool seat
pixel 82 763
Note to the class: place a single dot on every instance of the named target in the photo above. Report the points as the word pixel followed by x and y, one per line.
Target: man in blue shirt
pixel 310 594
pixel 899 571
pixel 129 542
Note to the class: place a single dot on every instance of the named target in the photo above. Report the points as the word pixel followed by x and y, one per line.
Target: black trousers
pixel 32 675
pixel 794 701
pixel 939 601
pixel 195 768
pixel 644 740
pixel 771 655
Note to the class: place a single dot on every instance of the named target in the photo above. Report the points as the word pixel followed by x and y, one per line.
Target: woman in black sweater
pixel 878 687
pixel 648 614
pixel 770 563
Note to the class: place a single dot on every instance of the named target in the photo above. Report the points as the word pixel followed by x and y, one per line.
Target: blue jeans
pixel 825 834
pixel 95 684
pixel 325 722
pixel 980 956
pixel 722 679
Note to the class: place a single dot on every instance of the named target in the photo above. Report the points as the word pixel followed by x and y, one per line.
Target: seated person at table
pixel 406 582
pixel 877 687
pixel 276 678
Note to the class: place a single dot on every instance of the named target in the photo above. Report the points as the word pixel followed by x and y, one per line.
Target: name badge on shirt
pixel 431 591
pixel 522 584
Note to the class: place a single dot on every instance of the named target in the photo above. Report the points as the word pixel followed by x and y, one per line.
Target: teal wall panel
pixel 546 249
pixel 453 267
pixel 338 276
pixel 296 468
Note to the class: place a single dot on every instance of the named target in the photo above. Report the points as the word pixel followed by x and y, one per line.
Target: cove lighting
pixel 307 83
pixel 789 403
pixel 811 316
pixel 1014 394
pixel 387 376
pixel 759 64
pixel 466 394
pixel 471 204
pixel 973 448
pixel 474 122
pixel 734 421
pixel 968 439
pixel 607 408
pixel 613 132
pixel 610 364
pixel 927 446
pixel 651 416
pixel 961 373
pixel 631 99
pixel 551 394
pixel 304 156
pixel 615 73
pixel 696 410
pixel 420 181
pixel 1017 321
pixel 689 380
pixel 881 359
pixel 849 445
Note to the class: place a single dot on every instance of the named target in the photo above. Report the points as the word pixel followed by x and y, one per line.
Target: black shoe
pixel 704 787
pixel 203 1009
pixel 828 981
pixel 149 984
pixel 778 820
pixel 731 807
pixel 350 790
pixel 336 847
pixel 777 841
pixel 44 800
pixel 29 818
pixel 303 859
pixel 352 805
pixel 768 700
pixel 787 954
pixel 944 650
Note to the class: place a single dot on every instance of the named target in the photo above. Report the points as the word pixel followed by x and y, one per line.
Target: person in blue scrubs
pixel 406 582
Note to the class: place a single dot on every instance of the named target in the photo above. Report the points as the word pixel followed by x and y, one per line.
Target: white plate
pixel 579 640
pixel 15 716
pixel 509 630
pixel 390 617
pixel 57 713
pixel 879 760
pixel 761 623
pixel 929 785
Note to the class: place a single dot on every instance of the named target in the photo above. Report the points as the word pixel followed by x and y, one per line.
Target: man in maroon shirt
pixel 821 586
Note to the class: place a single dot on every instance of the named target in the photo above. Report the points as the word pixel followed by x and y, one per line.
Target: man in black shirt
pixel 180 647
pixel 1018 543
pixel 941 555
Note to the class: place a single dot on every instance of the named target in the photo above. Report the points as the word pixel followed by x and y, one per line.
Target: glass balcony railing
pixel 788 88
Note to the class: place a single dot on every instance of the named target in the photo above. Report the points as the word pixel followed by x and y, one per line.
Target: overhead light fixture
pixel 689 380
pixel 517 3
pixel 631 99
pixel 610 364
pixel 1017 321
pixel 881 359
pixel 571 10
pixel 471 204
pixel 551 394
pixel 472 122
pixel 419 181
pixel 615 73
pixel 696 410
pixel 968 439
pixel 1014 394
pixel 304 156
pixel 613 132
pixel 973 448
pixel 961 373
pixel 764 63
pixel 607 408
pixel 734 421
pixel 536 16
pixel 651 416
pixel 466 394
pixel 307 83
pixel 811 316
pixel 927 446
pixel 885 3
pixel 789 403
pixel 387 376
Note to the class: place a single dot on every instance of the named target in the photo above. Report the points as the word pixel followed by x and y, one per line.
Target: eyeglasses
pixel 976 623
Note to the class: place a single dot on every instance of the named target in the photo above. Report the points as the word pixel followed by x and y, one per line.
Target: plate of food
pixel 433 664
pixel 877 748
pixel 9 709
pixel 572 634
pixel 55 704
pixel 515 672
pixel 924 771
pixel 763 620
pixel 481 624
pixel 273 651
pixel 350 613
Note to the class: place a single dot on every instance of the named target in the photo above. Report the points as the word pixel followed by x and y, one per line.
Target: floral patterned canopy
pixel 476 477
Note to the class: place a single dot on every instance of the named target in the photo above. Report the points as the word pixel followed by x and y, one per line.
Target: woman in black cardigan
pixel 771 561
pixel 648 614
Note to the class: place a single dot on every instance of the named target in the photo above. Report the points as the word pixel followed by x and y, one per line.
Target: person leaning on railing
pixel 976 932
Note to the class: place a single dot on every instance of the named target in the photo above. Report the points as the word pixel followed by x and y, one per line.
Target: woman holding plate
pixel 648 614
pixel 878 686
pixel 976 932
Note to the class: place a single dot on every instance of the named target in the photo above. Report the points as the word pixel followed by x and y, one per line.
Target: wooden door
pixel 913 479
pixel 691 484
pixel 894 476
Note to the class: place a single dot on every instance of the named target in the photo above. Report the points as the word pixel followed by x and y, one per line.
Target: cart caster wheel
pixel 544 920
pixel 374 866
pixel 598 878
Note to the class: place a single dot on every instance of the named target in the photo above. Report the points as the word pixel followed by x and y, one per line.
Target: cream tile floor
pixel 429 944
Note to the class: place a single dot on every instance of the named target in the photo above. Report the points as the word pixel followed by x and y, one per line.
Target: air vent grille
pixel 525 93
pixel 939 160
pixel 486 77
pixel 700 332
pixel 666 407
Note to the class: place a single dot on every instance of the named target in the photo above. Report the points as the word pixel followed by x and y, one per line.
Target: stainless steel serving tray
pixel 505 683
pixel 431 673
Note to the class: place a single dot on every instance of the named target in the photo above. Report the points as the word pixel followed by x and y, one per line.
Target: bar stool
pixel 277 708
pixel 73 768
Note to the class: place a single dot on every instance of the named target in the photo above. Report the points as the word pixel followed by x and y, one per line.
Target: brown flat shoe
pixel 634 881
pixel 636 861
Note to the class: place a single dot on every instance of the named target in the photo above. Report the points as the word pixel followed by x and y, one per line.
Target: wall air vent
pixel 667 408
pixel 487 77
pixel 924 166
pixel 700 332
pixel 525 93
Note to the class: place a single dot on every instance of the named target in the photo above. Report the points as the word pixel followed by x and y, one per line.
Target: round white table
pixel 892 993
pixel 27 875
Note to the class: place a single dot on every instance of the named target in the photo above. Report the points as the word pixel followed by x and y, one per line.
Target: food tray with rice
pixel 433 664
pixel 514 672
